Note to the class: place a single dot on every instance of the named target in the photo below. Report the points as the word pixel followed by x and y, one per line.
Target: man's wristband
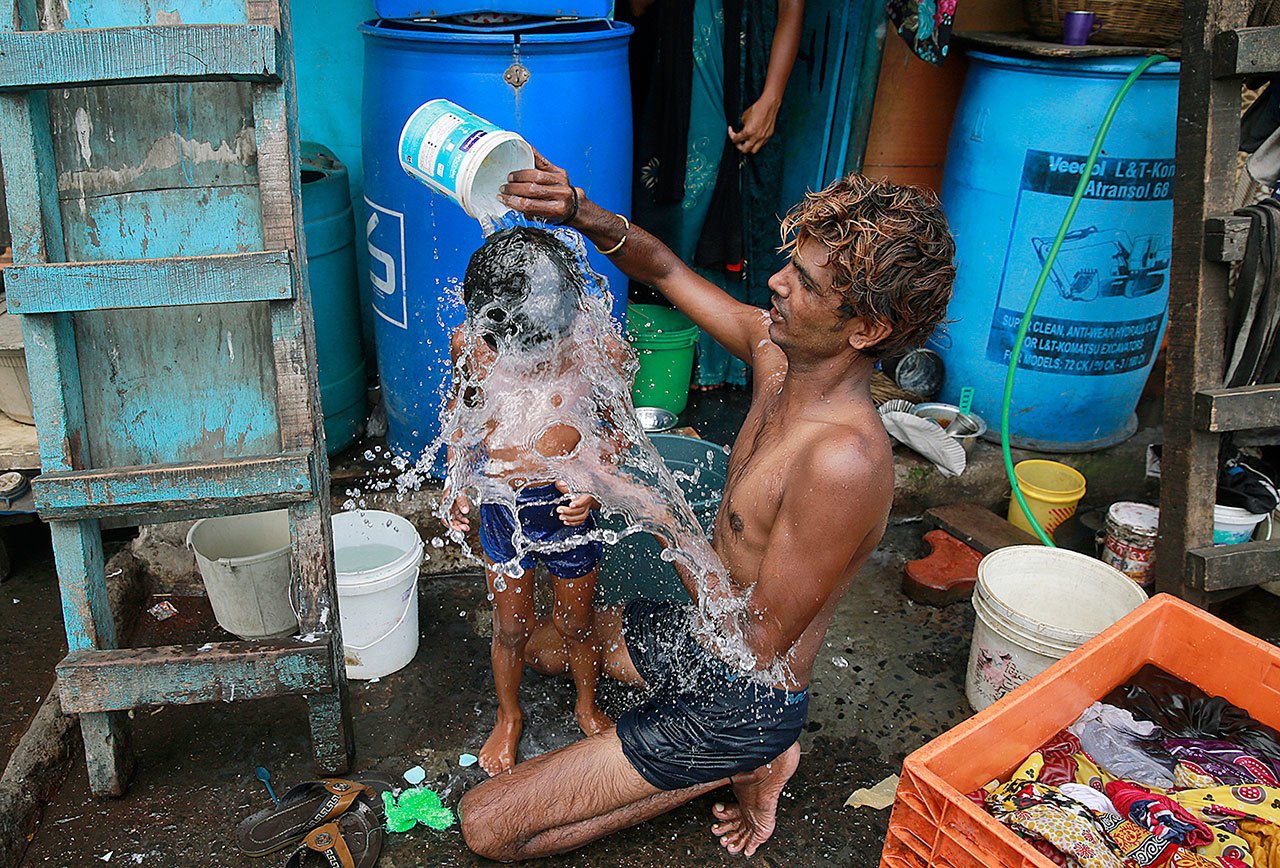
pixel 573 212
pixel 626 228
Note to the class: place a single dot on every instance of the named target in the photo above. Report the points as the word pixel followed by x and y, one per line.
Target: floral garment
pixel 924 24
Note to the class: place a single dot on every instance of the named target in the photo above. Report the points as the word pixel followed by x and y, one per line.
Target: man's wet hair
pixel 891 253
pixel 522 288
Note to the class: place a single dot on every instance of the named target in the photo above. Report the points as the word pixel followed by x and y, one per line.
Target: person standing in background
pixel 709 78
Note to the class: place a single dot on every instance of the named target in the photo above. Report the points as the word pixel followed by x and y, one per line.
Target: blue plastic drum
pixel 563 86
pixel 1022 133
pixel 335 299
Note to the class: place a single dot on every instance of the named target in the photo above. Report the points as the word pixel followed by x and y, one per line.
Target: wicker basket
pixel 1145 23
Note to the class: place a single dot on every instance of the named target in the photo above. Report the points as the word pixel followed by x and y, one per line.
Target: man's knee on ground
pixel 573 627
pixel 483 826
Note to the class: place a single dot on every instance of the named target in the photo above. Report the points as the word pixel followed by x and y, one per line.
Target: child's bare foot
pixel 745 826
pixel 499 753
pixel 592 720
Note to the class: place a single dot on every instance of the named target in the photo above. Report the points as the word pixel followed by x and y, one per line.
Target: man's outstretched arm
pixel 545 192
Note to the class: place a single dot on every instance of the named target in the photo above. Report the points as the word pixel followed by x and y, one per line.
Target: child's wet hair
pixel 522 287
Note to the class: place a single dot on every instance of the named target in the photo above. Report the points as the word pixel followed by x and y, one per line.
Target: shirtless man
pixel 808 495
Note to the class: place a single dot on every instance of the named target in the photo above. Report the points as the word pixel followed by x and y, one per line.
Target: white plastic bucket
pixel 1232 525
pixel 244 561
pixel 462 155
pixel 1036 605
pixel 377 593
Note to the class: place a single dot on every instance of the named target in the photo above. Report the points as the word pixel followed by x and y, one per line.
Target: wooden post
pixel 298 389
pixel 1208 141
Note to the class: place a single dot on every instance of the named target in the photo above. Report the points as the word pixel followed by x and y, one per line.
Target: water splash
pixel 541 392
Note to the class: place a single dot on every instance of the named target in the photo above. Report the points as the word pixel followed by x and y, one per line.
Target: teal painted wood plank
pixel 29 166
pixel 154 224
pixel 125 13
pixel 57 58
pixel 90 624
pixel 241 485
pixel 178 384
pixel 301 420
pixel 78 286
pixel 138 137
pixel 52 361
pixel 31 196
pixel 188 674
pixel 174 384
pixel 77 550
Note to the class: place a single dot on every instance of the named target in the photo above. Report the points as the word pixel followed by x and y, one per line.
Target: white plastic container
pixel 244 561
pixel 377 556
pixel 1232 525
pixel 1036 605
pixel 15 389
pixel 462 155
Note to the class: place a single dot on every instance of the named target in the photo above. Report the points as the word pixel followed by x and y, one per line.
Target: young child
pixel 519 371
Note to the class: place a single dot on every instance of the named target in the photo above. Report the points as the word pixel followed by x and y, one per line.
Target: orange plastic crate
pixel 933 824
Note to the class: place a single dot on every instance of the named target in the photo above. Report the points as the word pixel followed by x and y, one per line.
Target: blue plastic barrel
pixel 335 299
pixel 1022 132
pixel 564 86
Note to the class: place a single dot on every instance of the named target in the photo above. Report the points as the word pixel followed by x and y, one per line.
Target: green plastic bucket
pixel 632 567
pixel 663 339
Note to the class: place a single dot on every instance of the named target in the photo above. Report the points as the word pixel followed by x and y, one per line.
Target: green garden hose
pixel 1043 278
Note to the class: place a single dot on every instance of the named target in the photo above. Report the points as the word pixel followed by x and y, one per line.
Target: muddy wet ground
pixel 890 679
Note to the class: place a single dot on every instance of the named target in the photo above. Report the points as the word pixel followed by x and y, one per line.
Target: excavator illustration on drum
pixel 1107 263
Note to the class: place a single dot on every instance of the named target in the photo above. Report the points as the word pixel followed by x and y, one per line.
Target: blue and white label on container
pixel 384 233
pixel 1107 294
pixel 437 139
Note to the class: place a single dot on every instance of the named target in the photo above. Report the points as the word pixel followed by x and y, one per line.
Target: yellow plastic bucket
pixel 1052 490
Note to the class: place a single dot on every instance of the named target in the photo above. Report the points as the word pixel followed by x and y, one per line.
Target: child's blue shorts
pixel 536 506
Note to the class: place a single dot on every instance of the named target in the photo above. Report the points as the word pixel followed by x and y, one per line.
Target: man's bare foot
pixel 592 720
pixel 745 826
pixel 499 753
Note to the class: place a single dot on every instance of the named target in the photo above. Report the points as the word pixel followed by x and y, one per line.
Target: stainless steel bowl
pixel 965 427
pixel 655 419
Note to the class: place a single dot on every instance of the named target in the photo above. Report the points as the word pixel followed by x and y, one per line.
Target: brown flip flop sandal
pixel 354 840
pixel 306 807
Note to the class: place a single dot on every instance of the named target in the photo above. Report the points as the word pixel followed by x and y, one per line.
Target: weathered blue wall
pixel 827 112
pixel 329 54
pixel 330 59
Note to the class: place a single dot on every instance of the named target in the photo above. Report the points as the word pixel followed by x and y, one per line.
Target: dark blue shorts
pixel 702 721
pixel 536 506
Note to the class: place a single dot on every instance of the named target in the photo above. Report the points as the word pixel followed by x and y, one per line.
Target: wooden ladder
pixel 99 680
pixel 1218 51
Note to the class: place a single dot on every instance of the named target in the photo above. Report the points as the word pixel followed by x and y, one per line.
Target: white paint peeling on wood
pixel 166 153
pixel 84 129
pixel 55 14
pixel 164 16
pixel 231 351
